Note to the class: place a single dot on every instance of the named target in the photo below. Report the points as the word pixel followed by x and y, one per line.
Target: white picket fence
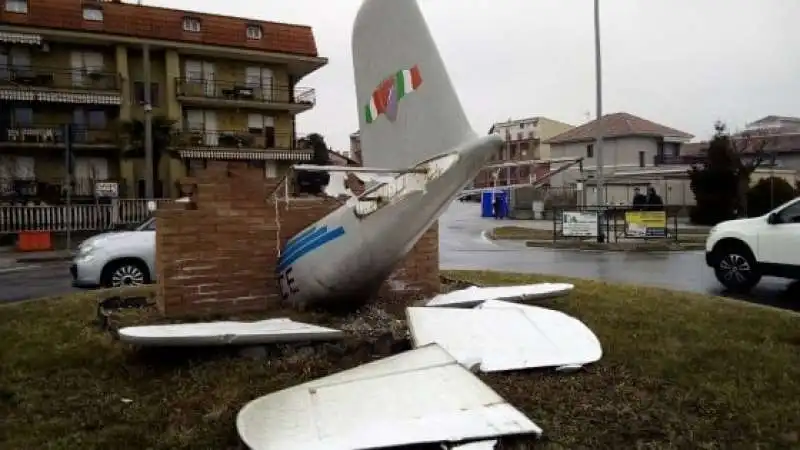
pixel 60 218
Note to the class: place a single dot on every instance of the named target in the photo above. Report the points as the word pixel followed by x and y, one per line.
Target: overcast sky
pixel 681 63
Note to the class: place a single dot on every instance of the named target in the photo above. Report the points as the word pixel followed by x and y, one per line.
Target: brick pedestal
pixel 217 254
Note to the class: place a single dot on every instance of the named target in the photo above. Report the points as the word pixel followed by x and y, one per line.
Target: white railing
pixel 59 218
pixel 384 194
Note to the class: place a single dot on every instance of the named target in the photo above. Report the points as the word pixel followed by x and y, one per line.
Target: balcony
pixel 198 92
pixel 76 86
pixel 52 189
pixel 52 136
pixel 238 145
pixel 679 160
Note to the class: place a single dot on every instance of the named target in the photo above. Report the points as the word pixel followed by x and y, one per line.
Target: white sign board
pixel 106 189
pixel 575 223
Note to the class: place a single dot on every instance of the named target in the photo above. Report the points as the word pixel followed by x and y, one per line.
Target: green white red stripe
pixel 399 85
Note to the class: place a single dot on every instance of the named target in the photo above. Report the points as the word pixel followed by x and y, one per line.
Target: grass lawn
pixel 679 371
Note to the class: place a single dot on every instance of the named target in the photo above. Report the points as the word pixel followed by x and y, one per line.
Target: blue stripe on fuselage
pixel 301 236
pixel 307 246
pixel 303 239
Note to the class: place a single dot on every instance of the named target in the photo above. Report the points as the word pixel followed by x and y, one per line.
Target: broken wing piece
pixel 505 336
pixel 472 296
pixel 227 333
pixel 420 396
pixel 480 445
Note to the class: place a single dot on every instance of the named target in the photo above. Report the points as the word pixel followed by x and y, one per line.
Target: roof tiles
pixel 617 125
pixel 166 24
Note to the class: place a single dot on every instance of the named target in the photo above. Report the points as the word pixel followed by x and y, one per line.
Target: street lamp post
pixel 598 145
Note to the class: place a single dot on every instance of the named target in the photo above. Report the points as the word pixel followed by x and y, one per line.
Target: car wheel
pixel 125 273
pixel 737 269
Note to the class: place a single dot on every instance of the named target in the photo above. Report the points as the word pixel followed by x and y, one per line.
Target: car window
pixel 791 214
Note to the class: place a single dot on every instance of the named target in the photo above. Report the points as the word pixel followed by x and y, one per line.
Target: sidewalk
pixel 548 224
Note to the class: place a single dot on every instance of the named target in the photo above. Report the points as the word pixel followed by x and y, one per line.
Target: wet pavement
pixel 27 281
pixel 463 246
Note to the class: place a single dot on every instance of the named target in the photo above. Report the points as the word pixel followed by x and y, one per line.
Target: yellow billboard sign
pixel 646 224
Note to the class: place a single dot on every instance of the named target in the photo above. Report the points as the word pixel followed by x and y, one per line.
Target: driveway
pixel 463 246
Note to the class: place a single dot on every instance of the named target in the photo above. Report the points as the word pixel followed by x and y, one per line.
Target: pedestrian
pixel 654 201
pixel 639 199
pixel 495 207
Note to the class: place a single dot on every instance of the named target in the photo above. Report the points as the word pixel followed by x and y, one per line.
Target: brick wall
pixel 217 255
pixel 419 272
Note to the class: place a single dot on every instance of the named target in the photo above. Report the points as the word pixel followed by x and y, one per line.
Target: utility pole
pixel 148 126
pixel 69 166
pixel 598 145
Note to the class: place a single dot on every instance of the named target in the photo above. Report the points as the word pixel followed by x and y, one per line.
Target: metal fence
pixel 62 218
pixel 615 224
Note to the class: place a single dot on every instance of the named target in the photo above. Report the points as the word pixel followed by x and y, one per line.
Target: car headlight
pixel 84 250
pixel 712 230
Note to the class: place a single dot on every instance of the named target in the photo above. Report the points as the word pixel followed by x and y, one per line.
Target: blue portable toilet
pixel 502 199
pixel 487 198
pixel 486 203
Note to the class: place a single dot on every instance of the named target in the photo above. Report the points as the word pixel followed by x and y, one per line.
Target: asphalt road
pixel 27 281
pixel 464 247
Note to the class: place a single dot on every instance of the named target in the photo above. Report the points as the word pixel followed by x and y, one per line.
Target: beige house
pixel 629 143
pixel 525 140
pixel 355 147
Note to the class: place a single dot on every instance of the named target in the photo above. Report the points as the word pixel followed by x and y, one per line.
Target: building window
pixel 17 6
pixel 191 24
pixel 262 126
pixel 530 134
pixel 97 119
pixel 93 13
pixel 23 117
pixel 521 126
pixel 254 32
pixel 641 159
pixel 590 151
pixel 138 93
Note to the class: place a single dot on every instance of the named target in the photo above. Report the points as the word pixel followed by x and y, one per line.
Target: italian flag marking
pixel 404 82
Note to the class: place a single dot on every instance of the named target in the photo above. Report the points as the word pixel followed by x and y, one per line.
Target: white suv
pixel 742 251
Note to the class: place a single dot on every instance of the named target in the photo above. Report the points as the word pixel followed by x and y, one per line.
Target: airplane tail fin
pixel 408 108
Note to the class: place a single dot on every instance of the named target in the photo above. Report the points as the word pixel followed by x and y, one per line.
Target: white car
pixel 118 258
pixel 742 251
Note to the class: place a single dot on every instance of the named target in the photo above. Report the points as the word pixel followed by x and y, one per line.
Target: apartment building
pixel 526 139
pixel 221 88
pixel 355 147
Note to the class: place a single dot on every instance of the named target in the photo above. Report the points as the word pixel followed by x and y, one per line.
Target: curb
pixel 32 259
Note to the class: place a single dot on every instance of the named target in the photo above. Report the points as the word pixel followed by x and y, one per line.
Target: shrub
pixel 767 194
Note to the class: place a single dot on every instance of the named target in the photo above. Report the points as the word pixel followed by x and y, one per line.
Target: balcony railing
pixel 55 78
pixel 243 139
pixel 679 160
pixel 244 91
pixel 51 134
pixel 49 187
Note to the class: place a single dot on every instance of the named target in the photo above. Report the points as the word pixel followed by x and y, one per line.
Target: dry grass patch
pixel 679 371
